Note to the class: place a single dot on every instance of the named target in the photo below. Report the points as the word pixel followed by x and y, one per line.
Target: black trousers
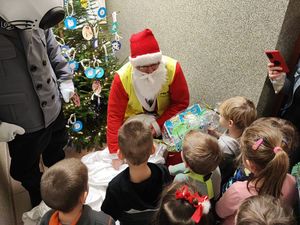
pixel 25 151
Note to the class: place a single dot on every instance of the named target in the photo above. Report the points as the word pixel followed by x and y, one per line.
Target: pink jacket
pixel 229 203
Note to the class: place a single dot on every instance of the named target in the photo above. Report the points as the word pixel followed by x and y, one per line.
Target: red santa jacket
pixel 118 100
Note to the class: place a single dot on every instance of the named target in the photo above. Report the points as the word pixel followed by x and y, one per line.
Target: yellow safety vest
pixel 134 107
pixel 208 183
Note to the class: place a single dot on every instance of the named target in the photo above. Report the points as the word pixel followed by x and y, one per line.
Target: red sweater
pixel 118 99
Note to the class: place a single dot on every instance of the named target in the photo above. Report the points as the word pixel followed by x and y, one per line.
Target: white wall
pixel 220 44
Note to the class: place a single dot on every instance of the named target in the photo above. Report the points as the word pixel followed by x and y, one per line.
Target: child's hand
pixel 212 131
pixel 116 163
pixel 171 170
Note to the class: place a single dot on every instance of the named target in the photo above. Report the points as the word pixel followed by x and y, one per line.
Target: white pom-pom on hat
pixel 206 206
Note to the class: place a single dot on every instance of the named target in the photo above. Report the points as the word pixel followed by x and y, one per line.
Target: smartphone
pixel 276 58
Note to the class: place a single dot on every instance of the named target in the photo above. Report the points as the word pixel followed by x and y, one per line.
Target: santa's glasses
pixel 148 68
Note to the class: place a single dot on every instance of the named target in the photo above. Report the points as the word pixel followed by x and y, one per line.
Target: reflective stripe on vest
pixel 208 183
pixel 134 107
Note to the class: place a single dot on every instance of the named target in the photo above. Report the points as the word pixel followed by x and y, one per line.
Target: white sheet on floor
pixel 100 174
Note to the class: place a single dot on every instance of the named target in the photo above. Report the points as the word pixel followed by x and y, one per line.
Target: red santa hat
pixel 144 49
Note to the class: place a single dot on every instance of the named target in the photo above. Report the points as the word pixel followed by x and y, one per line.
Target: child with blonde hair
pixel 132 197
pixel 181 204
pixel 236 114
pixel 263 155
pixel 264 210
pixel 201 156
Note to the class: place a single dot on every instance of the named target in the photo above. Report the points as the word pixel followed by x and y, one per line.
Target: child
pixel 133 195
pixel 236 114
pixel 264 210
pixel 64 188
pixel 289 133
pixel 201 155
pixel 289 144
pixel 182 205
pixel 262 154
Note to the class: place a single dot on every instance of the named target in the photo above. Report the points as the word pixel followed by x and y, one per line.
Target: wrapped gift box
pixel 194 117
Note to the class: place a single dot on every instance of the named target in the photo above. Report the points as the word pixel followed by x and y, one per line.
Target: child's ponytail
pixel 261 145
pixel 273 175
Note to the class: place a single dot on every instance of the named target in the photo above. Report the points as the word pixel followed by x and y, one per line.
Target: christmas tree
pixel 89 40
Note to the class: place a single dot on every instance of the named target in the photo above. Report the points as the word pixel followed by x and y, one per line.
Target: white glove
pixel 66 89
pixel 8 131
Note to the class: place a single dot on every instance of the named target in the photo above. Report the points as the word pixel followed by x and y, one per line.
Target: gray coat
pixel 31 66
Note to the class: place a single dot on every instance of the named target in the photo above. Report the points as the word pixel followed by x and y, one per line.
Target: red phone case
pixel 276 58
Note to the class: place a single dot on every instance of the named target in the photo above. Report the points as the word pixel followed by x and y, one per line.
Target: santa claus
pixel 150 84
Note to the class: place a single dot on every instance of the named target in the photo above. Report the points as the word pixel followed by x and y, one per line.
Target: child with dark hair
pixel 132 197
pixel 263 155
pixel 264 210
pixel 64 188
pixel 201 156
pixel 181 204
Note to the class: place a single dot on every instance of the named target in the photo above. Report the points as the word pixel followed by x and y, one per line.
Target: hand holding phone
pixel 276 58
pixel 276 76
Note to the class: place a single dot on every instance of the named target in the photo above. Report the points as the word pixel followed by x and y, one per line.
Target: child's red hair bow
pixel 201 203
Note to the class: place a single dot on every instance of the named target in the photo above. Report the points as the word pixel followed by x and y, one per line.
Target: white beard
pixel 149 85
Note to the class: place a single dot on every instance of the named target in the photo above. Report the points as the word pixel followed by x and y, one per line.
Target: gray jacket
pixel 31 66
